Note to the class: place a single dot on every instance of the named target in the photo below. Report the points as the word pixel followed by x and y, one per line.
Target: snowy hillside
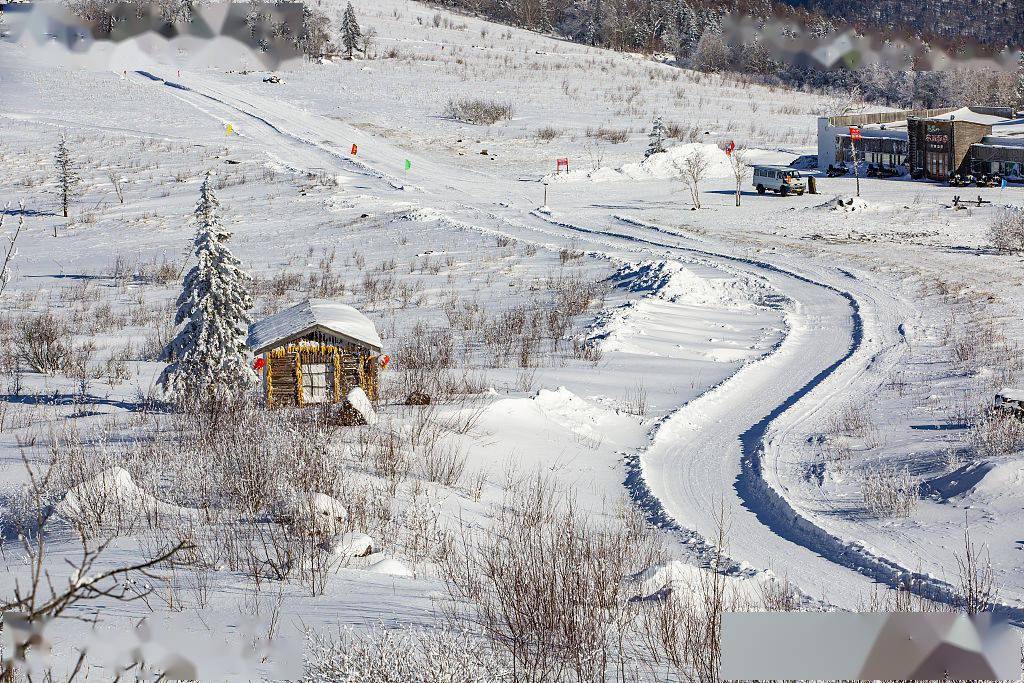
pixel 795 392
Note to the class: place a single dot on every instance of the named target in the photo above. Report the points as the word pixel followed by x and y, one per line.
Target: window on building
pixel 317 382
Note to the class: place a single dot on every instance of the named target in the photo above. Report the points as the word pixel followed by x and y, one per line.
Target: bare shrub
pixel 548 588
pixel 976 589
pixel 399 656
pixel 616 136
pixel 694 170
pixel 478 111
pixel 889 492
pixel 997 433
pixel 548 133
pixel 1006 231
pixel 427 347
pixel 44 342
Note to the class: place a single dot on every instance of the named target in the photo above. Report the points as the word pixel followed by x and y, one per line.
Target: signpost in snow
pixel 854 136
pixel 560 164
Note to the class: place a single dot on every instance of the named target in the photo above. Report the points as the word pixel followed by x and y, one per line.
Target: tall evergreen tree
pixel 208 359
pixel 350 31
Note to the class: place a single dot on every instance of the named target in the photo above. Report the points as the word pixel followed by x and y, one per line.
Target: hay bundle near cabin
pixel 316 352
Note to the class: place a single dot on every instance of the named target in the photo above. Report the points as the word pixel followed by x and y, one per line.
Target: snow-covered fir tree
pixel 350 31
pixel 208 359
pixel 656 138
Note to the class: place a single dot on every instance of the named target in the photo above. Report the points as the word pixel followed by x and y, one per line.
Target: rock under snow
pixel 359 401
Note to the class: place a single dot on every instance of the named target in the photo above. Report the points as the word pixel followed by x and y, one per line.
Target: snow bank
pixel 672 281
pixel 846 205
pixel 111 496
pixel 662 166
pixel 359 401
pixel 391 567
pixel 685 579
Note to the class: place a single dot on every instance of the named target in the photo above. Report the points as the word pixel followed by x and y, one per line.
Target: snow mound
pixel 352 544
pixel 359 401
pixel 319 513
pixel 390 567
pixel 662 166
pixel 672 281
pixel 680 578
pixel 846 205
pixel 112 496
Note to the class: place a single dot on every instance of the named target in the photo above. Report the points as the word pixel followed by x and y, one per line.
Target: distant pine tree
pixel 208 359
pixel 67 178
pixel 350 31
pixel 656 138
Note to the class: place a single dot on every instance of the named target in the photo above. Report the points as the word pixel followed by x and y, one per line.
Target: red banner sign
pixel 854 133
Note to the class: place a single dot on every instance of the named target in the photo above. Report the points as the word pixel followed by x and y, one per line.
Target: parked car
pixel 781 179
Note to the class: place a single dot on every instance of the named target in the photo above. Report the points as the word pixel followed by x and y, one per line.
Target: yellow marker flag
pixel 229 130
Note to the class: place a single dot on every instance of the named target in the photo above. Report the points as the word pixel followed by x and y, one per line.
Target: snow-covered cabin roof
pixel 300 319
pixel 966 114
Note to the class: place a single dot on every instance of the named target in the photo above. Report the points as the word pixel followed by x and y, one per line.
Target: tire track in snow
pixel 770 506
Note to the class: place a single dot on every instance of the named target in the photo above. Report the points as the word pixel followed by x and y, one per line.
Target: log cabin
pixel 315 352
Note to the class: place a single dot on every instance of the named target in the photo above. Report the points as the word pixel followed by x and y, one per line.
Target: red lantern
pixel 259 364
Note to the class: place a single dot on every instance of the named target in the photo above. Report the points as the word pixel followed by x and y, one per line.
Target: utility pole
pixel 545 194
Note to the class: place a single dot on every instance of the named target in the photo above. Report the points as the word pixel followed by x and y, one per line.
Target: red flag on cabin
pixel 384 361
pixel 854 133
pixel 355 149
pixel 259 364
pixel 730 148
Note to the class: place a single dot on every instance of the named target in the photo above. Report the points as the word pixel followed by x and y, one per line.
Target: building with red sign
pixel 929 143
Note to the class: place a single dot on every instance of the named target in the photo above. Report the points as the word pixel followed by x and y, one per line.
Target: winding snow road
pixel 722 452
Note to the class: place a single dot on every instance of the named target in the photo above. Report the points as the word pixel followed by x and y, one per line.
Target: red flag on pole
pixel 355 149
pixel 259 364
pixel 730 148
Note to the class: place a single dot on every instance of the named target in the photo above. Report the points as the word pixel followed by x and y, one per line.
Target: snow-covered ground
pixel 755 363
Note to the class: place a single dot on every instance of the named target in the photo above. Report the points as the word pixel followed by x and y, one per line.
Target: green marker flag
pixel 408 164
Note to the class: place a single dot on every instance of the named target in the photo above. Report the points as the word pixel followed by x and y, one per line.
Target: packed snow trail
pixel 709 455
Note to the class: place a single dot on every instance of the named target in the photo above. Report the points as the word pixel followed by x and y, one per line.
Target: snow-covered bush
pixel 1006 232
pixel 403 656
pixel 889 492
pixel 478 111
